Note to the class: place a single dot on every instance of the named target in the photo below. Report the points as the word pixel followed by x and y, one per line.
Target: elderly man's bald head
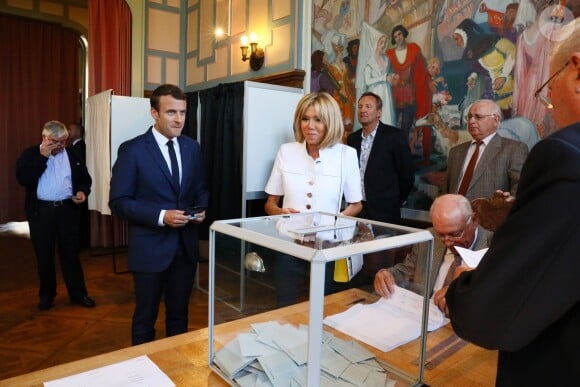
pixel 451 206
pixel 453 220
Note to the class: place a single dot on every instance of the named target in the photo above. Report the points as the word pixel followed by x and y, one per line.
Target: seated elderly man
pixel 454 224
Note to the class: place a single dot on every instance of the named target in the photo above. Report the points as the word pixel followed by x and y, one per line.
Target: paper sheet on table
pixel 249 346
pixel 279 367
pixel 294 342
pixel 230 359
pixel 470 257
pixel 139 372
pixel 399 318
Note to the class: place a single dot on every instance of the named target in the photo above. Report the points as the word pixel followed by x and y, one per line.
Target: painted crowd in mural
pixel 429 60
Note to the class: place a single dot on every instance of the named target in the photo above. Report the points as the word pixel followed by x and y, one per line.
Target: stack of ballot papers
pixel 275 354
pixel 389 322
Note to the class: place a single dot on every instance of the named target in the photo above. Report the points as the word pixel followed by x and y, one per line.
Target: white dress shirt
pixel 366 145
pixel 162 143
pixel 471 150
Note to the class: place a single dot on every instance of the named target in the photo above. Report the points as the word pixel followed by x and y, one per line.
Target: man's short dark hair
pixel 378 100
pixel 80 128
pixel 166 89
pixel 396 28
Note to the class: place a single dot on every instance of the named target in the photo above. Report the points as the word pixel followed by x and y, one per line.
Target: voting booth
pixel 111 120
pixel 285 347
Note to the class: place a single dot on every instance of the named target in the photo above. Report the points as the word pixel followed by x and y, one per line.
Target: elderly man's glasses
pixel 456 236
pixel 479 117
pixel 543 99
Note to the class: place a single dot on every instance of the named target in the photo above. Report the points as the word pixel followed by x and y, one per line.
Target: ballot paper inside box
pixel 267 300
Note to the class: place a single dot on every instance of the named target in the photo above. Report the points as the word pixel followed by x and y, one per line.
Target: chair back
pixel 491 212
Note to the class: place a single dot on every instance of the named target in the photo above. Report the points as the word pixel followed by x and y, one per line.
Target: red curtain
pixel 39 75
pixel 109 68
pixel 109 46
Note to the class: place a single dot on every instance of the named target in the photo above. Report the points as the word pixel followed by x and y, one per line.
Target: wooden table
pixel 184 358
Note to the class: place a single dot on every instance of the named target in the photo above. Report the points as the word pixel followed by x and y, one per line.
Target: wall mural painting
pixel 429 60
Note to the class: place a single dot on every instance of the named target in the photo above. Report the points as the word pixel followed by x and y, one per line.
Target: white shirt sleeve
pixel 352 185
pixel 274 186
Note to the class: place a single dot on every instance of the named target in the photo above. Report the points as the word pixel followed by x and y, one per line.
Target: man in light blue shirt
pixel 56 183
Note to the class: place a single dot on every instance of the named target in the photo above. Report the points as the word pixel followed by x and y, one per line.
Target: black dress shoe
pixel 85 301
pixel 45 303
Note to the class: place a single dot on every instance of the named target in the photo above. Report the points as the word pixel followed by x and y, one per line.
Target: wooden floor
pixel 32 340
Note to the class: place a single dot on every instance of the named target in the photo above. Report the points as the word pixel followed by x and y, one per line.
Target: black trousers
pixel 174 283
pixel 58 225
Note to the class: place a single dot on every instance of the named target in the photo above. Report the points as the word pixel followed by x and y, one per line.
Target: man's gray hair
pixel 55 129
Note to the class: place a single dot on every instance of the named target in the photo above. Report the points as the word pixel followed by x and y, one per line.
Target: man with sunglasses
pixel 454 224
pixel 524 297
pixel 490 162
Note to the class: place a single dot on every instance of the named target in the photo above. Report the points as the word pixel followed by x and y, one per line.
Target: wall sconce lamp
pixel 256 56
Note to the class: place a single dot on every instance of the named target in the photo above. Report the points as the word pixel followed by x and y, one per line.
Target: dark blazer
pixel 498 168
pixel 31 165
pixel 524 297
pixel 80 149
pixel 141 187
pixel 389 174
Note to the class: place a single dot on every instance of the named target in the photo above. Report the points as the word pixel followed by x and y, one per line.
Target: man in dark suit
pixel 387 174
pixel 156 177
pixel 524 297
pixel 498 160
pixel 76 135
pixel 56 183
pixel 385 162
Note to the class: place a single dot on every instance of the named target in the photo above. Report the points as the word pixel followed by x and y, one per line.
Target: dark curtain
pixel 39 74
pixel 190 126
pixel 109 68
pixel 221 124
pixel 109 47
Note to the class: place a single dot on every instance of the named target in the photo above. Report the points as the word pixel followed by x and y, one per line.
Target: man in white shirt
pixel 454 224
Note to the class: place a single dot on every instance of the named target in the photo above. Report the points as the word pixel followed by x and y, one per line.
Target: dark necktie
pixel 469 170
pixel 174 165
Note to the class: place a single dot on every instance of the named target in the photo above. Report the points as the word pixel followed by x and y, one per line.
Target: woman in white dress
pixel 374 71
pixel 312 174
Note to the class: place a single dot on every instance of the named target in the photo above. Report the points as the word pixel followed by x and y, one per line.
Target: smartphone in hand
pixel 194 212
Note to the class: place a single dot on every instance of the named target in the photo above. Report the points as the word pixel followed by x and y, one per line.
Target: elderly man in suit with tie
pixel 156 177
pixel 523 299
pixel 490 162
pixel 454 224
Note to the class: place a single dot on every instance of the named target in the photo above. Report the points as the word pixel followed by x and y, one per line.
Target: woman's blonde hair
pixel 329 114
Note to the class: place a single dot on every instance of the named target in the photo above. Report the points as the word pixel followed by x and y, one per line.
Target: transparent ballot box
pixel 290 305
